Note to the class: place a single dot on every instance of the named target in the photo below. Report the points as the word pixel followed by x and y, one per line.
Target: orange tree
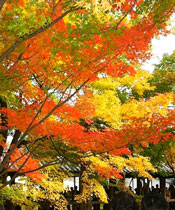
pixel 49 51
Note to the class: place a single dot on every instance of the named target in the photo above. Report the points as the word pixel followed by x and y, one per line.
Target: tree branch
pixel 16 174
pixel 126 14
pixel 30 127
pixel 22 39
pixel 2 4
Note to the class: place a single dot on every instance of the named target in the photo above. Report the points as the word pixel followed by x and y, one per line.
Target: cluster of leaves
pixel 49 51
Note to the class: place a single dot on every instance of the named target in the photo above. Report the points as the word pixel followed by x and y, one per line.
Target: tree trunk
pixel 2 207
pixel 4 122
pixel 9 205
pixel 45 205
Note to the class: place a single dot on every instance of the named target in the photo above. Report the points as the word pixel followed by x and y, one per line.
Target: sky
pixel 160 46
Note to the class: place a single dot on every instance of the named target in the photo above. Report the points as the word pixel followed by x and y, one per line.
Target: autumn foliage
pixel 65 65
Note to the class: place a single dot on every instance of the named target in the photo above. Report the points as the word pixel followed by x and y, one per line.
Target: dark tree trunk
pixel 45 205
pixel 4 122
pixel 9 205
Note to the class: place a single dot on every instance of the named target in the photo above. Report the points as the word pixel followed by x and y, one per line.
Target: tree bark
pixel 2 4
pixel 4 122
